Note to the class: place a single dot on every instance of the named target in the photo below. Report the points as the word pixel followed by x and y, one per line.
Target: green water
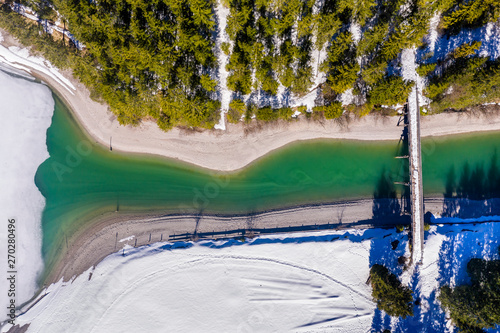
pixel 78 183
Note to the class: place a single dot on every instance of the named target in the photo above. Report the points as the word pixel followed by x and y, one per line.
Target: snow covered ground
pixel 448 249
pixel 21 59
pixel 433 34
pixel 268 284
pixel 222 37
pixel 26 112
pixel 308 282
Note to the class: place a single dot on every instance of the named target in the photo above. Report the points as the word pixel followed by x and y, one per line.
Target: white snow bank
pixel 432 34
pixel 26 109
pixel 347 97
pixel 16 72
pixel 21 59
pixel 355 30
pixel 126 239
pixel 222 13
pixel 266 285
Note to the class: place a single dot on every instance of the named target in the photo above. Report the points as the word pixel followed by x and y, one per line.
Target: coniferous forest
pixel 161 59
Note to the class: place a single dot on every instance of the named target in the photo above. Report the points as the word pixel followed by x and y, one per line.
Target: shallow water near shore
pixel 82 179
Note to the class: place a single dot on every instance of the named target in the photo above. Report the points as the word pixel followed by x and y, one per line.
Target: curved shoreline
pixel 240 145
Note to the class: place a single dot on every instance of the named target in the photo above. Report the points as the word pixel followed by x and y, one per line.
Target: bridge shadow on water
pixel 388 211
pixel 388 205
pixel 391 203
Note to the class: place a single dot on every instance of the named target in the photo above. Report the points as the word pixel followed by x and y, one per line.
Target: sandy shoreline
pixel 110 232
pixel 239 145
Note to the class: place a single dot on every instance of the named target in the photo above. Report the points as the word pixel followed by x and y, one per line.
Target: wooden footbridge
pixel 416 202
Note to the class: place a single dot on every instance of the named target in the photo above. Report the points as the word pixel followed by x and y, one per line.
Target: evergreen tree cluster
pixel 149 58
pixel 476 306
pixel 468 81
pixel 391 297
pixel 385 28
pixel 272 44
pixel 473 13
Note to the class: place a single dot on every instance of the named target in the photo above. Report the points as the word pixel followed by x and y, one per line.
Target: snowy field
pixel 309 282
pixel 26 110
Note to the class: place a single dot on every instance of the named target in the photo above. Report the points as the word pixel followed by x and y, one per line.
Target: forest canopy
pixel 475 307
pixel 162 59
pixel 147 58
